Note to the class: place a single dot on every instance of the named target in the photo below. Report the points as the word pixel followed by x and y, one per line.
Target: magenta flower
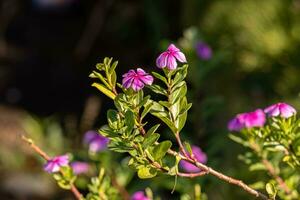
pixel 280 109
pixel 139 195
pixel 247 120
pixel 136 80
pixel 95 141
pixel 203 51
pixel 169 57
pixel 80 167
pixel 200 157
pixel 53 165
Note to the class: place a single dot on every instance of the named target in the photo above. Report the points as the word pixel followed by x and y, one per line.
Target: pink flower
pixel 80 167
pixel 139 195
pixel 136 80
pixel 200 157
pixel 53 165
pixel 247 120
pixel 169 57
pixel 95 141
pixel 280 109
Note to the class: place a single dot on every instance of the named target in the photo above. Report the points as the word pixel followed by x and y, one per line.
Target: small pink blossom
pixel 95 141
pixel 200 157
pixel 53 165
pixel 247 120
pixel 169 57
pixel 80 167
pixel 139 195
pixel 136 80
pixel 280 109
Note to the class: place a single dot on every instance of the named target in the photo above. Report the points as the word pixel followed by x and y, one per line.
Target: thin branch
pixel 278 179
pixel 44 155
pixel 270 168
pixel 221 176
pixel 192 175
pixel 181 147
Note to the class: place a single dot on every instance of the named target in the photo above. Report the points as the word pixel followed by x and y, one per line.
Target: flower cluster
pixel 139 78
pixel 258 117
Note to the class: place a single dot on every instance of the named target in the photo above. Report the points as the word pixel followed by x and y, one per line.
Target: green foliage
pixel 101 188
pixel 274 149
pixel 126 129
pixel 65 178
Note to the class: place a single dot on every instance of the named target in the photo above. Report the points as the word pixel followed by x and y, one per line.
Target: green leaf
pixel 129 121
pixel 146 172
pixel 158 89
pixel 271 190
pixel 104 90
pixel 160 77
pixel 188 147
pixel 180 75
pixel 161 149
pixel 146 110
pixel 113 79
pixel 257 167
pixel 120 147
pixel 144 101
pixel 113 118
pixel 169 123
pixel 108 132
pixel 150 140
pixel 113 67
pixel 178 93
pixel 180 121
pixel 238 140
pixel 152 129
pixel 107 61
pixel 185 109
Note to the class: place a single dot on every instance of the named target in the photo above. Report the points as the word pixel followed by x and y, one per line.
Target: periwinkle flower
pixel 200 157
pixel 280 109
pixel 203 51
pixel 139 195
pixel 256 118
pixel 80 167
pixel 95 141
pixel 136 79
pixel 169 57
pixel 53 165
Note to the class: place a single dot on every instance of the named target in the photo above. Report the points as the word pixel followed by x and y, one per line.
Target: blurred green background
pixel 49 47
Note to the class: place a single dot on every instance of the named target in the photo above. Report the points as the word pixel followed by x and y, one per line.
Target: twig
pixel 74 190
pixel 270 168
pixel 278 179
pixel 181 147
pixel 221 176
pixel 192 175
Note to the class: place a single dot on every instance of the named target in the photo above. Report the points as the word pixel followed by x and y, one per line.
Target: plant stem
pixel 192 175
pixel 270 168
pixel 44 155
pixel 221 176
pixel 181 147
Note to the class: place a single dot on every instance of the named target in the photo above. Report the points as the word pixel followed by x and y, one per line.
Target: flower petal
pixel 137 85
pixel 286 110
pixel 161 61
pixel 147 79
pixel 172 48
pixel 180 57
pixel 171 62
pixel 127 82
